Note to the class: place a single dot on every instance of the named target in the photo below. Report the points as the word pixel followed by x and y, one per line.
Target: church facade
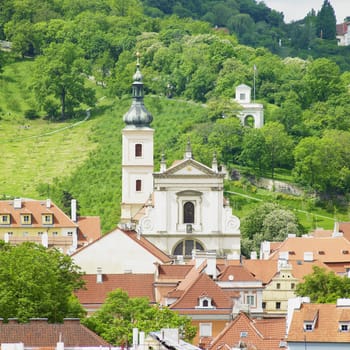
pixel 181 208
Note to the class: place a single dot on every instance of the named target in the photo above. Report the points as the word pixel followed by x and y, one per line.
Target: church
pixel 181 208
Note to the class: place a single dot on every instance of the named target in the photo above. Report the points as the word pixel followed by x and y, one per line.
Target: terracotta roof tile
pixel 40 333
pixel 326 328
pixel 136 285
pixel 332 248
pixel 36 208
pixel 89 228
pixel 239 272
pixel 203 285
pixel 264 334
pixel 173 272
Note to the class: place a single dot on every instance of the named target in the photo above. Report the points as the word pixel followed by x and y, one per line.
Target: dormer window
pixel 5 219
pixel 205 303
pixel 308 326
pixel 26 219
pixel 47 219
pixel 344 326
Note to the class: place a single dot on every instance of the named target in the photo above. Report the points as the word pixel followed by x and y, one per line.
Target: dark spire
pixel 137 115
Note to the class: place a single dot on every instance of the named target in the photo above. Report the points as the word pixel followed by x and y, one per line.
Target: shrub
pixel 31 114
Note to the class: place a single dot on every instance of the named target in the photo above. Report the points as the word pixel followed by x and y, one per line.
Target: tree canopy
pixel 324 286
pixel 36 282
pixel 117 317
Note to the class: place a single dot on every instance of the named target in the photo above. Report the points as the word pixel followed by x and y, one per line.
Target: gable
pixel 189 167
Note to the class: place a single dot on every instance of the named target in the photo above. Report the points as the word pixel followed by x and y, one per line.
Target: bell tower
pixel 137 153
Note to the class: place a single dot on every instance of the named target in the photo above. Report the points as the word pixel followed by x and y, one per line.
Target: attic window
pixel 344 326
pixel 5 219
pixel 292 252
pixel 308 326
pixel 205 303
pixel 321 252
pixel 244 334
pixel 26 219
pixel 47 219
pixel 345 251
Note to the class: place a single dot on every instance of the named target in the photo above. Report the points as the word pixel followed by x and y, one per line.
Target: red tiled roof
pixel 239 273
pixel 136 285
pixel 40 333
pixel 333 248
pixel 345 228
pixel 203 285
pixel 326 328
pixel 139 239
pixel 36 208
pixel 89 228
pixel 173 272
pixel 264 334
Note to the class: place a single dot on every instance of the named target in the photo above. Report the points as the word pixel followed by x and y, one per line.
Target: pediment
pixel 190 167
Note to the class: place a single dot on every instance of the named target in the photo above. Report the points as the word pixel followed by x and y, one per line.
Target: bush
pixel 31 114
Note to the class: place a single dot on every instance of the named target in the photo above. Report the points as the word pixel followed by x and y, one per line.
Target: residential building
pixel 318 326
pixel 42 222
pixel 246 333
pixel 343 33
pixel 120 251
pixel 280 279
pixel 98 286
pixel 39 334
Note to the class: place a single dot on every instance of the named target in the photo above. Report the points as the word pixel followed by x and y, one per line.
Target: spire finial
pixel 188 153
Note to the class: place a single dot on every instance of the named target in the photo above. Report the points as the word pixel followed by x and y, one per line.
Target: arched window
pixel 186 247
pixel 138 150
pixel 188 213
pixel 205 303
pixel 138 185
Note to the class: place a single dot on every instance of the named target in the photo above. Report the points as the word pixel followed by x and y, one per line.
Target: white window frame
pixel 206 329
pixel 250 299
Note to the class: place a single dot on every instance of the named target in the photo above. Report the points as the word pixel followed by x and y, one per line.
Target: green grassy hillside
pixel 41 159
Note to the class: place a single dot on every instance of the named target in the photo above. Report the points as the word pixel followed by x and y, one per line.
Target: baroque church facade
pixel 181 208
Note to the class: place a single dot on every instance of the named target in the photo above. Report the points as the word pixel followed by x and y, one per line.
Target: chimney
pixel 99 276
pixel 163 164
pixel 74 210
pixel 17 203
pixel 253 255
pixel 48 203
pixel 60 344
pixel 214 164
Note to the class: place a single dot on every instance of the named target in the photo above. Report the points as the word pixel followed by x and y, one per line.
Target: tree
pixel 324 286
pixel 278 146
pixel 37 282
pixel 59 74
pixel 120 314
pixel 326 22
pixel 267 222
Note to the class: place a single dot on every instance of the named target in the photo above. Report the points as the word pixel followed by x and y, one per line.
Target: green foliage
pixel 324 286
pixel 58 73
pixel 117 317
pixel 326 22
pixel 267 222
pixel 36 282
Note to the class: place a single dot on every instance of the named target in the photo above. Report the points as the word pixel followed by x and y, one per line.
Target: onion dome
pixel 137 115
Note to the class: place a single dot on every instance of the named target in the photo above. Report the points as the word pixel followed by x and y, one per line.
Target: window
pixel 5 219
pixel 344 328
pixel 55 233
pixel 242 96
pixel 308 326
pixel 40 233
pixel 186 246
pixel 26 219
pixel 250 300
pixel 264 305
pixel 70 233
pixel 47 219
pixel 205 329
pixel 292 285
pixel 278 285
pixel 10 233
pixel 188 213
pixel 205 302
pixel 138 185
pixel 138 150
pixel 278 305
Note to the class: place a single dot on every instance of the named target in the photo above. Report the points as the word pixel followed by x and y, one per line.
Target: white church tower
pixel 137 154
